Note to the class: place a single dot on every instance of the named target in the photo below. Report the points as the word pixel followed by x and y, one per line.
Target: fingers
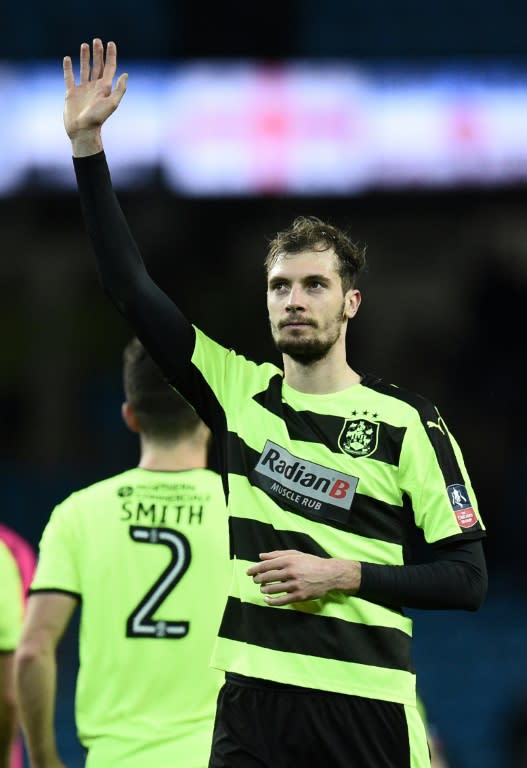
pixel 277 553
pixel 69 79
pixel 266 576
pixel 265 567
pixel 278 588
pixel 120 88
pixel 272 560
pixel 282 600
pixel 267 557
pixel 101 66
pixel 98 59
pixel 110 64
pixel 84 63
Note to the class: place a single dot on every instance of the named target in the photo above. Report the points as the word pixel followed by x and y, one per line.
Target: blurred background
pixel 404 123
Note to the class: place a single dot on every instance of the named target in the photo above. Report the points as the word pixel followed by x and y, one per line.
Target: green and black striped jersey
pixel 350 475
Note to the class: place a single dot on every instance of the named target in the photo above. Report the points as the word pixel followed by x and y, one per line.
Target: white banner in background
pixel 297 128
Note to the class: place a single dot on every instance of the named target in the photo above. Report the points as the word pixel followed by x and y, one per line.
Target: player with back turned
pixel 136 552
pixel 328 472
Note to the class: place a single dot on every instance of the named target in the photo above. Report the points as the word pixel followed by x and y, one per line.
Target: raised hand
pixel 88 104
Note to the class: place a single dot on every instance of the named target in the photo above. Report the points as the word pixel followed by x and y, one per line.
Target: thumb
pixel 120 88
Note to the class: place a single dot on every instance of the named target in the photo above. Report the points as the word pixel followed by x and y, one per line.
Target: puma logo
pixel 435 425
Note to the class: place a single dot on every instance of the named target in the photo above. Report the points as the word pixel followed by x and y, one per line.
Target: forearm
pixel 36 691
pixel 120 266
pixel 456 580
pixel 444 584
pixel 157 321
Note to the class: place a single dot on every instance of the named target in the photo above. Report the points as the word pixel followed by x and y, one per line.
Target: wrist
pixel 348 576
pixel 86 142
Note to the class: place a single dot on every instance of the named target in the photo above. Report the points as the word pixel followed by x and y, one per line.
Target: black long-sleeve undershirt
pixel 155 318
pixel 455 578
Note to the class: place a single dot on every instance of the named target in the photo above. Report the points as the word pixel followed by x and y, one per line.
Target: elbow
pixel 30 652
pixel 476 595
pixel 8 707
pixel 125 290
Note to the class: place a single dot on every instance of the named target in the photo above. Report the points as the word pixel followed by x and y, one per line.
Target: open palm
pixel 88 104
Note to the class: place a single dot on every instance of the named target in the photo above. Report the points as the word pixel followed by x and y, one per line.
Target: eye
pixel 279 286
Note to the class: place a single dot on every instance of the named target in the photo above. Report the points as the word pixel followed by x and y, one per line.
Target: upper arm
pixel 47 616
pixel 435 477
pixel 58 569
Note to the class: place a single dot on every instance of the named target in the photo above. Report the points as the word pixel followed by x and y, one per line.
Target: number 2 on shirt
pixel 141 623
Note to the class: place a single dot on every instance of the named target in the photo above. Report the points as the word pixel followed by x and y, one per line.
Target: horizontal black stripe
pixel 312 635
pixel 326 429
pixel 368 517
pixel 250 537
pixel 376 519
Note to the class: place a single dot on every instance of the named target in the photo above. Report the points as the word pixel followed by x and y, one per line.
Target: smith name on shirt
pixel 162 514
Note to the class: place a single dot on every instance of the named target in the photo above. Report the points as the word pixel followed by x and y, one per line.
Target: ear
pixel 352 302
pixel 129 417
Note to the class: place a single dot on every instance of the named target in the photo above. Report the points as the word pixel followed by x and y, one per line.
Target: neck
pixel 189 453
pixel 321 377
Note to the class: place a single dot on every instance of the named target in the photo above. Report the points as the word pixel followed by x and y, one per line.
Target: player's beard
pixel 308 351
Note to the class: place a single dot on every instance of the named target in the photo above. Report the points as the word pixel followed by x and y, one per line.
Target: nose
pixel 295 300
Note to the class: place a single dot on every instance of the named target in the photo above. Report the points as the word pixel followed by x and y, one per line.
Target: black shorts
pixel 260 724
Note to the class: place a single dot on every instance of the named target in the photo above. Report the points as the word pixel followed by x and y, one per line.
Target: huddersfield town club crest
pixel 359 437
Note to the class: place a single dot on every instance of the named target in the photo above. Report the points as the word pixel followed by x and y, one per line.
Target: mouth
pixel 296 324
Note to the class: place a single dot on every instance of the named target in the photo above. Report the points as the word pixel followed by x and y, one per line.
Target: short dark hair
pixel 311 233
pixel 163 414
